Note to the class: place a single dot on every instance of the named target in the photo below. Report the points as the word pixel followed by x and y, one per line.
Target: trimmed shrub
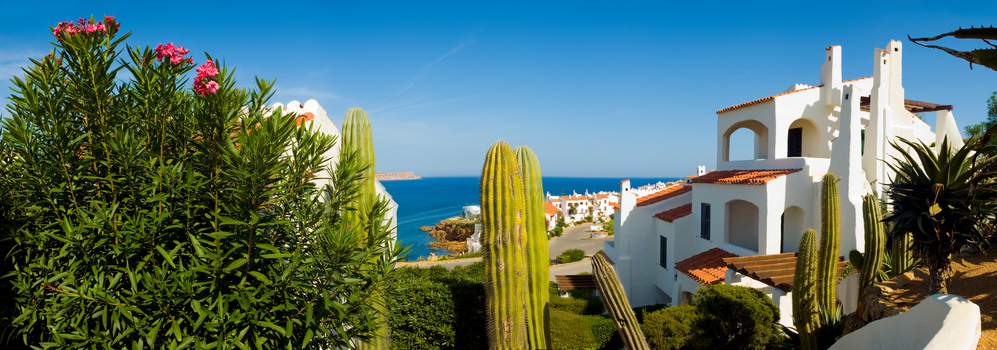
pixel 641 311
pixel 573 331
pixel 736 317
pixel 436 308
pixel 570 255
pixel 579 306
pixel 673 327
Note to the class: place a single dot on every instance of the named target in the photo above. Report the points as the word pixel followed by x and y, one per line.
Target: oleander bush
pixel 138 209
pixel 570 255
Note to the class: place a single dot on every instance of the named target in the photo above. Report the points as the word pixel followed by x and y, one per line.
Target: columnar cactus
pixel 615 300
pixel 357 137
pixel 503 243
pixel 875 241
pixel 901 256
pixel 830 243
pixel 537 254
pixel 806 316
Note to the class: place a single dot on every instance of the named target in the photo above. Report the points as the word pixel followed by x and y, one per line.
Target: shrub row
pixel 570 255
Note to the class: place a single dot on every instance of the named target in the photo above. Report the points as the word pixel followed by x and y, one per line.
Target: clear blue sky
pixel 596 89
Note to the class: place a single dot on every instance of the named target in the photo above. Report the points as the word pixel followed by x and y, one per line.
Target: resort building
pixel 577 207
pixel 312 114
pixel 742 223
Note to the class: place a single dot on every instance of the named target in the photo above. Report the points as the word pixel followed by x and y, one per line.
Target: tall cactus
pixel 830 243
pixel 503 242
pixel 615 300
pixel 875 241
pixel 357 136
pixel 537 254
pixel 900 255
pixel 806 316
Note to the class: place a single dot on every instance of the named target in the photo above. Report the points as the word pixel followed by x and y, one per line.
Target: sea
pixel 432 199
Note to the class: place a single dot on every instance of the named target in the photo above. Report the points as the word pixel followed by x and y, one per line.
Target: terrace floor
pixel 973 277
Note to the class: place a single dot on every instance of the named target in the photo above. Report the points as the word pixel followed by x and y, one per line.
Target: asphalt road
pixel 576 237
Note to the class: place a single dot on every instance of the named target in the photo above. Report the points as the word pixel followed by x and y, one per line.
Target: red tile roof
pixel 666 193
pixel 555 199
pixel 776 270
pixel 763 99
pixel 621 182
pixel 615 205
pixel 550 209
pixel 707 267
pixel 671 215
pixel 742 177
pixel 575 198
pixel 304 117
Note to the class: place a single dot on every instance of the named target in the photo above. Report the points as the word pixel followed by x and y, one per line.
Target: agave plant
pixel 942 200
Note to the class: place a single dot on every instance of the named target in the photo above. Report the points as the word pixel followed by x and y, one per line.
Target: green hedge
pixel 570 255
pixel 573 331
pixel 434 308
pixel 589 306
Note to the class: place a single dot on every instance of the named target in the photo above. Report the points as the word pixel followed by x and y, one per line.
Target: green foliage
pixel 986 57
pixel 570 256
pixel 978 131
pixel 642 311
pixel 615 299
pixel 901 258
pixel 609 227
pixel 805 306
pixel 581 306
pixel 439 309
pixel 558 231
pixel 673 328
pixel 737 317
pixel 875 242
pixel 146 215
pixel 830 243
pixel 537 255
pixel 942 199
pixel 574 331
pixel 503 243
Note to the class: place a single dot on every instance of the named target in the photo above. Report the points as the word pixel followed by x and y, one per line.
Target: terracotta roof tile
pixel 621 182
pixel 666 193
pixel 555 200
pixel 671 215
pixel 550 209
pixel 763 99
pixel 707 267
pixel 576 198
pixel 615 205
pixel 304 117
pixel 742 177
pixel 776 270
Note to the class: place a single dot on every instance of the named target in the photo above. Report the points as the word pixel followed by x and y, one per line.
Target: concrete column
pixel 846 163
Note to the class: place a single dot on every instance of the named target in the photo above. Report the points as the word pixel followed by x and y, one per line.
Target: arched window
pixel 803 139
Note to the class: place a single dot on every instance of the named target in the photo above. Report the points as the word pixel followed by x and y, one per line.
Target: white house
pixel 751 214
pixel 470 212
pixel 312 114
pixel 577 207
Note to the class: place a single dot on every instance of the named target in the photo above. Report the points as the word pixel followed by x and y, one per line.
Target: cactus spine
pixel 900 254
pixel 615 300
pixel 537 254
pixel 805 309
pixel 358 137
pixel 503 244
pixel 875 241
pixel 830 243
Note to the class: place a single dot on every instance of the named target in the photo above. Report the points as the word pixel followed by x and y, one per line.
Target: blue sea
pixel 425 202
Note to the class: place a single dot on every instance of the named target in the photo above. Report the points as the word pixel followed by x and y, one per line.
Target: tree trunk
pixel 940 269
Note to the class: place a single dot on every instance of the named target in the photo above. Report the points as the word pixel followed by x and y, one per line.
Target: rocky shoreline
pixel 382 176
pixel 451 234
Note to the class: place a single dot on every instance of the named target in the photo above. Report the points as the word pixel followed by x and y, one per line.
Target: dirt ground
pixel 973 277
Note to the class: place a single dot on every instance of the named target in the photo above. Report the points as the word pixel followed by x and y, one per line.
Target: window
pixel 704 215
pixel 663 258
pixel 795 142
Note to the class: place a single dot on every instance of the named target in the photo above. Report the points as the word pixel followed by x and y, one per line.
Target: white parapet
pixel 940 322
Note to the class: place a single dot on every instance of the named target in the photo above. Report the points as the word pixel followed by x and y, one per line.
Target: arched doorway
pixel 759 145
pixel 742 224
pixel 793 225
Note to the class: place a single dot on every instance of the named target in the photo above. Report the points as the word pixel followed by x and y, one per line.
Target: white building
pixel 311 113
pixel 470 212
pixel 671 242
pixel 577 207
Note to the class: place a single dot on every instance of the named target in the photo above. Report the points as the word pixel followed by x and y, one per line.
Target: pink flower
pixel 211 87
pixel 89 28
pixel 207 70
pixel 174 53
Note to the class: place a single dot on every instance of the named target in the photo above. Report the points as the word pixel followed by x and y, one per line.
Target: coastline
pixel 408 175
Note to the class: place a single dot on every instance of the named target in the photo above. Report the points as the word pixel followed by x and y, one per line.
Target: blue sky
pixel 607 89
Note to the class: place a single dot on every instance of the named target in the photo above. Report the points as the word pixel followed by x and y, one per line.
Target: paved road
pixel 576 237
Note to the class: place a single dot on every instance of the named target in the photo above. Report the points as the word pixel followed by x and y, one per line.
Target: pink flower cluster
pixel 204 83
pixel 175 53
pixel 85 26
